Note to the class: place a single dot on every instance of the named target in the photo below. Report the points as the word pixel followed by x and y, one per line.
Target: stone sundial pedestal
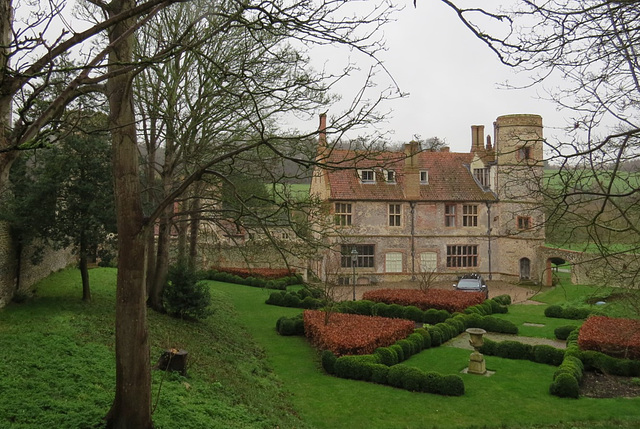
pixel 476 360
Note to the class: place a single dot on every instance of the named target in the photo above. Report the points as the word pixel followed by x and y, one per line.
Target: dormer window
pixel 424 177
pixel 367 176
pixel 390 176
pixel 482 175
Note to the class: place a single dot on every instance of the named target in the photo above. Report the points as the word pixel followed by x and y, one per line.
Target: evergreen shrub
pixel 502 299
pixel 287 326
pixel 451 385
pixel 328 361
pixel 387 356
pixel 553 311
pixel 436 336
pixel 488 347
pixel 407 348
pixel 291 300
pixel 565 386
pixel 426 338
pixel 594 360
pixel 356 367
pixel 399 352
pixel 379 373
pixel 276 298
pixel 417 340
pixel 433 316
pixel 562 332
pixel 546 354
pixel 513 350
pixel 412 312
pixel 184 295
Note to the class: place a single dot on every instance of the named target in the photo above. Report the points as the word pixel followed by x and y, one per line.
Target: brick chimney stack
pixel 411 171
pixel 477 138
pixel 322 130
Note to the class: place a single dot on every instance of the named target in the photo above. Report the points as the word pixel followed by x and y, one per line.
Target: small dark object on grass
pixel 174 360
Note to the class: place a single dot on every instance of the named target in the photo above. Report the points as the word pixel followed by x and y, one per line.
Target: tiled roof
pixel 449 179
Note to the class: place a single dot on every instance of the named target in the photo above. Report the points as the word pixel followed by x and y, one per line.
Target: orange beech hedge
pixel 352 334
pixel 440 299
pixel 265 273
pixel 613 336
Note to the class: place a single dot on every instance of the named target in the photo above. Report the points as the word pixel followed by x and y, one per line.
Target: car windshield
pixel 468 284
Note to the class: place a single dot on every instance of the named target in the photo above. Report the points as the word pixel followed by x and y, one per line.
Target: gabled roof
pixel 449 177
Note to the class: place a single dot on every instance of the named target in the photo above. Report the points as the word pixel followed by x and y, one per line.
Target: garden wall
pixel 253 254
pixel 52 260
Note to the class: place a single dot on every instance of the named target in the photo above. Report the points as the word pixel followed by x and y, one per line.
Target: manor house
pixel 396 214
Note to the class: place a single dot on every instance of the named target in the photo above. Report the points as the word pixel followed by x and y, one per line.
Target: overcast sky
pixel 452 79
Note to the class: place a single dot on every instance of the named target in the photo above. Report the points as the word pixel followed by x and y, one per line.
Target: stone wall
pixel 30 274
pixel 7 264
pixel 254 254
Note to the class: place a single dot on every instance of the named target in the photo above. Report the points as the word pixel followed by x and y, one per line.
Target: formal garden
pixel 380 362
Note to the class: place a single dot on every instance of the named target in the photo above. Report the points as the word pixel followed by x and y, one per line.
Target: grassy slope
pixel 58 364
pixel 516 396
pixel 58 371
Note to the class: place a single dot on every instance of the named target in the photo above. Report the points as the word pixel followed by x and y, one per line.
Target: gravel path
pixel 462 340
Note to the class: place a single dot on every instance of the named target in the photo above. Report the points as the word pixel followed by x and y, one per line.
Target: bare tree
pixel 332 291
pixel 427 278
pixel 110 69
pixel 592 48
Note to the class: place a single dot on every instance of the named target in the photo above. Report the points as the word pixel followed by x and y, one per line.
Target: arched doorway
pixel 552 267
pixel 525 269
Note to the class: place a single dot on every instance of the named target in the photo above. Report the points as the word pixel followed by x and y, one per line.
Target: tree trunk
pixel 151 201
pixel 84 269
pixel 131 408
pixel 162 261
pixel 182 228
pixel 193 233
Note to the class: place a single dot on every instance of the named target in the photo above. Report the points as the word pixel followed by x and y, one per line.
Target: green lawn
pixel 58 367
pixel 58 371
pixel 516 396
pixel 525 315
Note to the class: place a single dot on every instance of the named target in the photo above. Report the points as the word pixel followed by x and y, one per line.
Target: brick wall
pixel 52 260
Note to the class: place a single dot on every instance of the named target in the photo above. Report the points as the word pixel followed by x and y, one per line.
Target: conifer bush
pixel 184 295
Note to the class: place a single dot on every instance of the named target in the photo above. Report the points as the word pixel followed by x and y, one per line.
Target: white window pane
pixel 393 262
pixel 428 262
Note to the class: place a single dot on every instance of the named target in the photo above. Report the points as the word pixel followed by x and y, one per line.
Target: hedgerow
pixel 280 283
pixel 347 334
pixel 616 337
pixel 574 313
pixel 540 353
pixel 449 300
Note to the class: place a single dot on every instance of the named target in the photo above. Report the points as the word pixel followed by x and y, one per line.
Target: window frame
pixel 523 223
pixel 425 265
pixel 449 215
pixel 368 172
pixel 424 181
pixel 390 176
pixel 393 263
pixel 394 211
pixel 482 175
pixel 343 215
pixel 524 153
pixel 365 259
pixel 462 256
pixel 469 215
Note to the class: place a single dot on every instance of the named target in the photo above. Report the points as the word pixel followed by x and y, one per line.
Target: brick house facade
pixel 414 211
